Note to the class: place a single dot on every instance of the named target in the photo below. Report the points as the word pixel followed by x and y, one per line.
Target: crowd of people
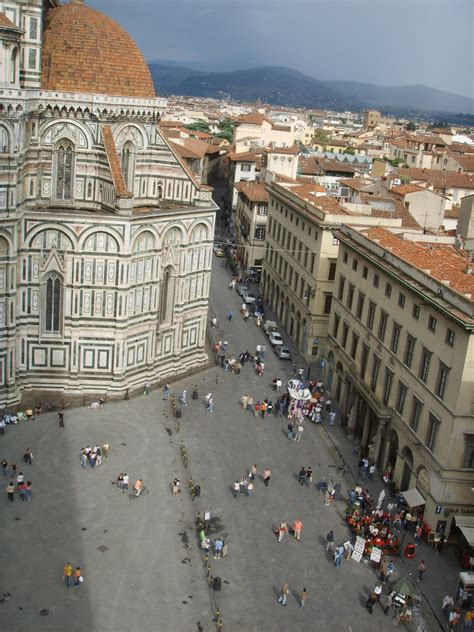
pixel 92 457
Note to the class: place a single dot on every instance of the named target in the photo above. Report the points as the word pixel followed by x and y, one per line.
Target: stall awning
pixel 413 498
pixel 466 524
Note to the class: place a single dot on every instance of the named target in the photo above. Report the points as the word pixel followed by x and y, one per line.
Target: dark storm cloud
pixel 389 42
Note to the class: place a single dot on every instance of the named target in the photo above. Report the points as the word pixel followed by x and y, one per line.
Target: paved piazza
pixel 151 577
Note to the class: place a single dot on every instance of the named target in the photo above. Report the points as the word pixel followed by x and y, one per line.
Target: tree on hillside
pixel 349 150
pixel 411 126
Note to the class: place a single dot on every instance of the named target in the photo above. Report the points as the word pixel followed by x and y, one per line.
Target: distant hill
pixel 284 86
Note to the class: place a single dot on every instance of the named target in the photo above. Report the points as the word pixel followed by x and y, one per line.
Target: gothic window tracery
pixel 166 295
pixel 52 307
pixel 64 170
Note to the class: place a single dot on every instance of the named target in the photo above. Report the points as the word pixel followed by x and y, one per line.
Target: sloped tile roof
pixel 443 262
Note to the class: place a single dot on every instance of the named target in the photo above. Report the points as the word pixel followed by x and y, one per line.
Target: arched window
pixel 13 65
pixel 64 170
pixel 4 141
pixel 166 295
pixel 53 303
pixel 128 164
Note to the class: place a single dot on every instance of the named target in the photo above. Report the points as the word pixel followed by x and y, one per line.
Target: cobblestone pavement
pixel 140 557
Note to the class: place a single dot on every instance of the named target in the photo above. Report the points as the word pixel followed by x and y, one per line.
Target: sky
pixel 387 42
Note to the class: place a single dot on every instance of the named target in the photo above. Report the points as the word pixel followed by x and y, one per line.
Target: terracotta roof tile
pixel 86 51
pixel 253 191
pixel 6 23
pixel 389 208
pixel 439 179
pixel 442 262
pixel 114 162
pixel 405 189
pixel 292 151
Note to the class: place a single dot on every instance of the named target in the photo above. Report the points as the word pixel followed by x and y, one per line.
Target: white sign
pixel 356 555
pixel 207 515
pixel 358 549
pixel 376 554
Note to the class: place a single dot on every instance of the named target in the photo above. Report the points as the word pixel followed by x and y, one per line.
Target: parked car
pixel 242 289
pixel 275 339
pixel 219 251
pixel 283 352
pixel 269 326
pixel 248 298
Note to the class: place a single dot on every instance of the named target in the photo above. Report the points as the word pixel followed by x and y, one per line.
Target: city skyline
pixel 383 42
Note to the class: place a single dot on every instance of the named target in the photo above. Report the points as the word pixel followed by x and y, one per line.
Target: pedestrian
pixel 469 619
pixel 299 433
pixel 230 314
pixel 20 478
pixel 184 395
pixel 10 489
pixel 372 469
pixel 78 578
pixel 244 400
pixel 67 574
pixel 339 552
pixel 146 388
pixel 267 473
pixel 328 405
pixel 28 491
pixel 125 481
pixel 166 391
pixel 236 489
pixel 332 418
pixel 5 467
pixel 421 570
pixel 61 419
pixel 28 456
pixel 250 403
pixel 210 404
pixel 2 426
pixel 21 489
pixel 453 619
pixel 83 458
pixel 373 598
pixel 302 475
pixel 253 472
pixel 348 548
pixel 282 529
pixel 303 596
pixel 309 475
pixel 440 543
pixel 176 486
pixel 301 374
pixel 448 604
pixel 297 528
pixel 291 425
pixel 105 450
pixel 389 603
pixel 13 468
pixel 330 541
pixel 257 409
pixel 284 592
pixel 250 488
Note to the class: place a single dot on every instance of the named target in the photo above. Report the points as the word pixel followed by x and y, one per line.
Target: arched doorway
pixel 391 451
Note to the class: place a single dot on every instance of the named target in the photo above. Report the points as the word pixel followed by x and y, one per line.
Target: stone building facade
pixel 105 237
pixel 401 363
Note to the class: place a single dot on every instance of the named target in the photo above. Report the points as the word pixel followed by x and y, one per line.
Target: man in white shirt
pixel 125 481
